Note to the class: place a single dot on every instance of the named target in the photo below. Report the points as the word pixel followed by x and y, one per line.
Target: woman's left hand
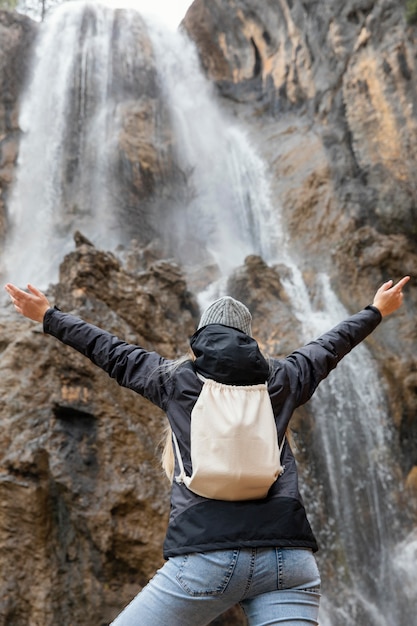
pixel 32 305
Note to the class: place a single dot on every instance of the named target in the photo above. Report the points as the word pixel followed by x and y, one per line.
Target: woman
pixel 256 552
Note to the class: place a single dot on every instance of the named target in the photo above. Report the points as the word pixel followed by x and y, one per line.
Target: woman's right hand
pixel 389 297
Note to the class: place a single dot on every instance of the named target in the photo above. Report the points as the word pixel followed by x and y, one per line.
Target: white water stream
pixel 360 482
pixel 227 175
pixel 65 177
pixel 361 536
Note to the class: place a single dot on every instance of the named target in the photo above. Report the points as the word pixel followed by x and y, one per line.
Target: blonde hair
pixel 167 457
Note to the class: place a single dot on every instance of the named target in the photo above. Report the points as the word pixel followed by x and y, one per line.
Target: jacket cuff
pixel 47 318
pixel 371 307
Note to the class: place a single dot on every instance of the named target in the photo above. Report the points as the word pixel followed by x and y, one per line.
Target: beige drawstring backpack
pixel 234 443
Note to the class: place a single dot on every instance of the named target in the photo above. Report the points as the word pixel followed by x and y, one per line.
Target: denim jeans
pixel 272 585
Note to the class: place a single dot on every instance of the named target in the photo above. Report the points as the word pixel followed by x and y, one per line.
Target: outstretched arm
pixel 32 304
pixel 309 365
pixel 131 365
pixel 389 297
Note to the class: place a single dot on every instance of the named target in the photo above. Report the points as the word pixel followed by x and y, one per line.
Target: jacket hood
pixel 228 355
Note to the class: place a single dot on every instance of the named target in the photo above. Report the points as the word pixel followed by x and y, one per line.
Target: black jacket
pixel 198 524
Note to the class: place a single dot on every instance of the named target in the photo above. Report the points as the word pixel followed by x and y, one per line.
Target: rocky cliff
pixel 327 91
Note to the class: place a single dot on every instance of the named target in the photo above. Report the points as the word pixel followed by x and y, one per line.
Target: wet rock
pixel 80 478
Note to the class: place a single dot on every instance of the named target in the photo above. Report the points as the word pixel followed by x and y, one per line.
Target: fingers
pixel 16 295
pixel 11 289
pixel 389 285
pixel 35 291
pixel 385 286
pixel 395 291
pixel 13 292
pixel 401 283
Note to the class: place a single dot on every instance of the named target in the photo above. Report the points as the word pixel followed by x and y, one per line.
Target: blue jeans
pixel 272 585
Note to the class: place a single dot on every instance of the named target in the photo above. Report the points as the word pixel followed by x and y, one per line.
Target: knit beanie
pixel 229 312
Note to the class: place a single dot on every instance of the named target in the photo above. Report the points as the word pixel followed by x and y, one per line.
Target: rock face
pixel 75 438
pixel 327 91
pixel 337 80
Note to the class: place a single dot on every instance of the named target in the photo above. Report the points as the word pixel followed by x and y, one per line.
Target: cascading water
pixel 367 561
pixel 65 176
pixel 74 121
pixel 228 178
pixel 361 482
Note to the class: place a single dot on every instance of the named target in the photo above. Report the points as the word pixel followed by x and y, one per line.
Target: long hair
pixel 167 456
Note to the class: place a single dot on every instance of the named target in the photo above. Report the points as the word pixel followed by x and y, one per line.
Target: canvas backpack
pixel 234 444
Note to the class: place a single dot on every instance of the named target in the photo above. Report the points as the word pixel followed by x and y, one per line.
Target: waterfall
pixel 74 122
pixel 367 559
pixel 67 154
pixel 361 479
pixel 227 177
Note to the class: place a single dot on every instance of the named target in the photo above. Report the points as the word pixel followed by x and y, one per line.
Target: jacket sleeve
pixel 130 365
pixel 309 365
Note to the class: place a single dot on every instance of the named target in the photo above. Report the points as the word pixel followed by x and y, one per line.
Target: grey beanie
pixel 229 312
